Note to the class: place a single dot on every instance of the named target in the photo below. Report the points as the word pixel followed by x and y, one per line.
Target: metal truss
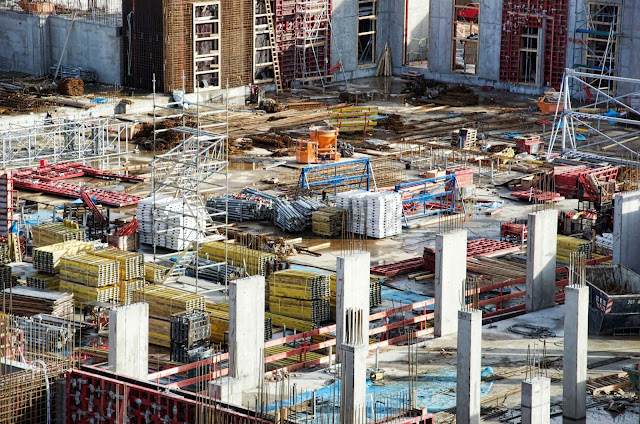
pixel 572 119
pixel 81 140
pixel 329 179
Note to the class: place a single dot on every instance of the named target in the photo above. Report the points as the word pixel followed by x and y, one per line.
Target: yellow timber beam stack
pixel 90 270
pixel 254 262
pixel 51 233
pixel 131 264
pixel 47 258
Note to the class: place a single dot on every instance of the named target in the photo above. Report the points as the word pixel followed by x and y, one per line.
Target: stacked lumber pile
pixel 29 301
pixel 51 233
pixel 82 293
pixel 568 245
pixel 375 293
pixel 43 281
pixel 154 273
pixel 131 264
pixel 315 311
pixel 164 302
pixel 299 325
pixel 356 118
pixel 497 270
pixel 219 313
pixel 126 288
pixel 299 294
pixel 47 258
pixel 4 254
pixel 254 262
pixel 71 87
pixel 6 279
pixel 328 222
pixel 90 270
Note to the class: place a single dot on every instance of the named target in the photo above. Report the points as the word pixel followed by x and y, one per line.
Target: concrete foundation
pixel 541 260
pixel 574 360
pixel 536 405
pixel 451 272
pixel 129 340
pixel 469 363
pixel 626 231
pixel 352 291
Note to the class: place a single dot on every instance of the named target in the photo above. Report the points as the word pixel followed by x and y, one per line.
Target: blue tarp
pixel 402 296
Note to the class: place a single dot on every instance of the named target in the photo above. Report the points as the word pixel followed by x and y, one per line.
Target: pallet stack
pixel 4 254
pixel 464 138
pixel 6 279
pixel 190 333
pixel 52 233
pixel 163 303
pixel 90 278
pixel 47 258
pixel 328 222
pixel 29 301
pixel 132 271
pixel 254 262
pixel 154 273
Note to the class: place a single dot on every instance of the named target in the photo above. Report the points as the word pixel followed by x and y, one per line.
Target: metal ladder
pixel 274 49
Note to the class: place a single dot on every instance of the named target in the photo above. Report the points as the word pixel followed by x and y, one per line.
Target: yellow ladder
pixel 274 49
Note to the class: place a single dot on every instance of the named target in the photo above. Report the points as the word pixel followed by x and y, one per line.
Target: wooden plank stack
pixel 82 293
pixel 29 301
pixel 254 262
pixel 126 288
pixel 300 294
pixel 52 232
pixel 4 254
pixel 375 293
pixel 568 245
pixel 154 273
pixel 316 311
pixel 291 323
pixel 328 222
pixel 47 258
pixel 164 301
pixel 41 280
pixel 90 270
pixel 131 264
pixel 6 279
pixel 219 313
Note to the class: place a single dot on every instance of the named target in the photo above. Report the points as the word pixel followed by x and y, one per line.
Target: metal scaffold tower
pixel 81 140
pixel 312 41
pixel 595 118
pixel 596 40
pixel 182 179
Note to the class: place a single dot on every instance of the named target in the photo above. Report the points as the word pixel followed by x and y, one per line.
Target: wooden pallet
pixel 608 383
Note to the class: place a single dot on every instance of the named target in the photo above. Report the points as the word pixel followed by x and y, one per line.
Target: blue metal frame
pixel 357 174
pixel 440 190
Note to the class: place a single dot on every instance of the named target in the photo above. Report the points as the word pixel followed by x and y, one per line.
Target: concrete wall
pixel 417 30
pixel 626 230
pixel 32 44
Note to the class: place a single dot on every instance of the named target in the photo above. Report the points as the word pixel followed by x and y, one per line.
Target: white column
pixel 626 231
pixel 574 360
pixel 352 291
pixel 129 340
pixel 542 242
pixel 469 363
pixel 535 401
pixel 451 272
pixel 353 355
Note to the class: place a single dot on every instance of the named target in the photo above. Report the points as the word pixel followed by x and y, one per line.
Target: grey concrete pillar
pixel 626 231
pixel 129 340
pixel 246 330
pixel 353 360
pixel 574 360
pixel 535 400
pixel 541 260
pixel 352 291
pixel 451 272
pixel 469 363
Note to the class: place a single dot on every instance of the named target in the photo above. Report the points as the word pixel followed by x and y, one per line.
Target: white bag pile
pixel 376 215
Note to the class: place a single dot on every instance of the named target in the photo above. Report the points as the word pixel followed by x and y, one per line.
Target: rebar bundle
pixel 131 264
pixel 253 262
pixel 43 281
pixel 287 218
pixel 164 301
pixel 90 270
pixel 82 293
pixel 328 222
pixel 47 258
pixel 51 233
pixel 307 206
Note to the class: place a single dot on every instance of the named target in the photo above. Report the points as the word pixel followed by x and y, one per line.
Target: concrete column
pixel 451 272
pixel 541 260
pixel 626 231
pixel 352 291
pixel 574 360
pixel 129 340
pixel 353 354
pixel 535 400
pixel 246 340
pixel 469 363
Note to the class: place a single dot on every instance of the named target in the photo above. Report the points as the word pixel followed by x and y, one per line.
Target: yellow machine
pixel 322 146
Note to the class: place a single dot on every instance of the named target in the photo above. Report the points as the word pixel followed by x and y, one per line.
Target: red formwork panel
pixel 566 181
pixel 397 268
pixel 93 398
pixel 73 191
pixel 548 15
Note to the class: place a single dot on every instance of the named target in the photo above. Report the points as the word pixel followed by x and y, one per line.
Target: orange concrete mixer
pixel 322 146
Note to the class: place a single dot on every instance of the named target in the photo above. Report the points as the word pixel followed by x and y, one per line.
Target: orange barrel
pixel 313 132
pixel 327 136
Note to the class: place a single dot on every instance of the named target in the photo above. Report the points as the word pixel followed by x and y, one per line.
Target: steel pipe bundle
pixel 245 208
pixel 287 218
pixel 307 206
pixel 47 258
pixel 214 271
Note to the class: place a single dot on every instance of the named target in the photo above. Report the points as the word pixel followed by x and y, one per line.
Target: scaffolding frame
pixel 313 41
pixel 58 139
pixel 191 171
pixel 571 119
pixel 591 34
